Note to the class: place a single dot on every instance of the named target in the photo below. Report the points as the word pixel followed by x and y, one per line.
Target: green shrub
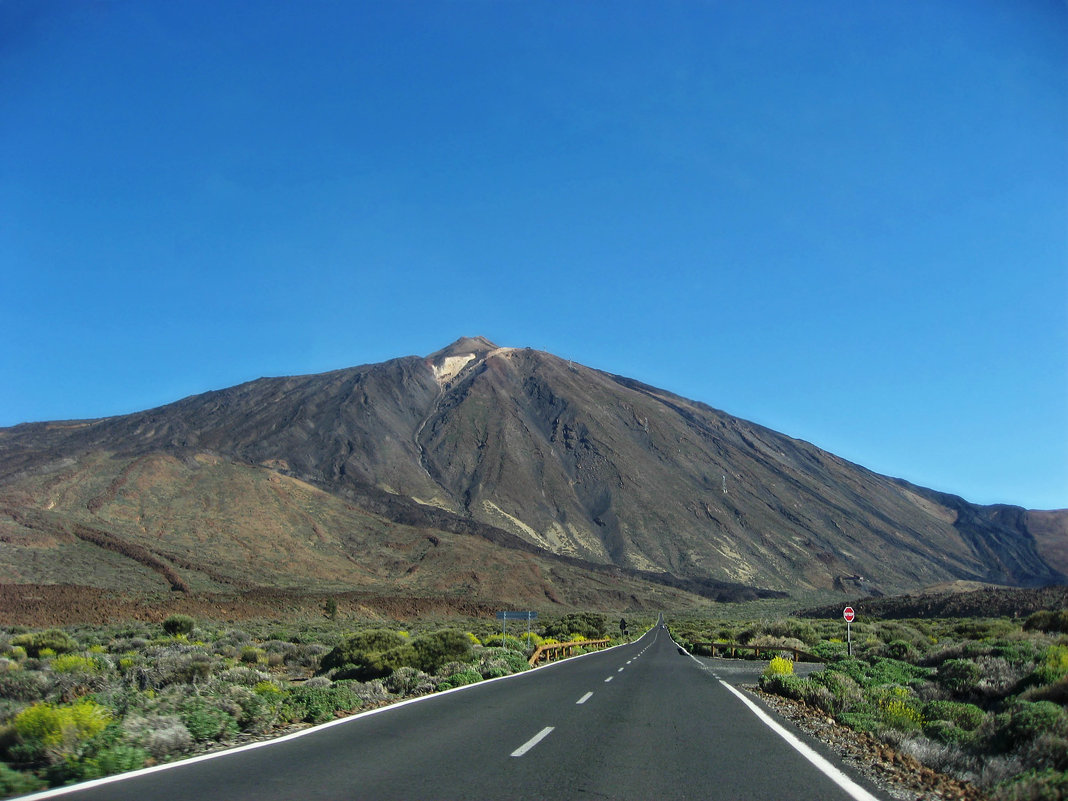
pixel 1015 651
pixel 179 624
pixel 901 650
pixel 460 679
pixel 894 671
pixel 1025 720
pixel 1048 620
pixel 1054 665
pixel 319 704
pixel 205 721
pixel 514 661
pixel 945 731
pixel 434 650
pixel 14 782
pixel 53 641
pixel 966 716
pixel 111 760
pixel 73 663
pixel 590 625
pixel 845 693
pixel 361 654
pixel 1045 785
pixel 960 676
pixel 829 650
pixel 253 655
pixel 49 731
pixel 505 641
pixel 900 712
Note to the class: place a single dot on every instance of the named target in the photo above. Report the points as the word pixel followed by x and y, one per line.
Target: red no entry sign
pixel 848 614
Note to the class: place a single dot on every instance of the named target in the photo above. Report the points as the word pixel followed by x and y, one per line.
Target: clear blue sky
pixel 845 220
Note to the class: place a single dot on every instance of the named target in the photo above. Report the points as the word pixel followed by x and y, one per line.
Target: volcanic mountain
pixel 515 462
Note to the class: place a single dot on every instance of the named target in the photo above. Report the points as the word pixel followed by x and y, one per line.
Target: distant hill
pixel 504 474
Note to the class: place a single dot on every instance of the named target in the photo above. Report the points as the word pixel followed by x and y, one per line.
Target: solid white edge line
pixel 584 698
pixel 56 792
pixel 834 774
pixel 533 741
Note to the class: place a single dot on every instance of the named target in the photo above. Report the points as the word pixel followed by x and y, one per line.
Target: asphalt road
pixel 641 721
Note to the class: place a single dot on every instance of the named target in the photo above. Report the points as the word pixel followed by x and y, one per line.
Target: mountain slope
pixel 540 456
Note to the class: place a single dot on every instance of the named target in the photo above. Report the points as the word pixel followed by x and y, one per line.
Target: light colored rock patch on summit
pixel 451 366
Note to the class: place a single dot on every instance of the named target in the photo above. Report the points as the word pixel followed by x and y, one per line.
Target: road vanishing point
pixel 639 721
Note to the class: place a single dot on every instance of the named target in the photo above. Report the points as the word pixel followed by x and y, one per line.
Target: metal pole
pixel 849 638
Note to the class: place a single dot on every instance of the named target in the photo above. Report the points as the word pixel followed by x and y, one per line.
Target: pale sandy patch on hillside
pixel 437 502
pixel 493 508
pixel 933 509
pixel 451 366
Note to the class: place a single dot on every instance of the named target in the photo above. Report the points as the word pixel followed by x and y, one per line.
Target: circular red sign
pixel 848 614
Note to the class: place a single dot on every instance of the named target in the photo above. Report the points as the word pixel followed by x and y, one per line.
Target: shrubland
pixel 980 699
pixel 87 701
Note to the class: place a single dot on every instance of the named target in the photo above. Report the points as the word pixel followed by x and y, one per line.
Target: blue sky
pixel 845 220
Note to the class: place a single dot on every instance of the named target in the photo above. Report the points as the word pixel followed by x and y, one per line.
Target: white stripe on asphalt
pixel 584 698
pixel 609 679
pixel 533 741
pixel 620 670
pixel 834 774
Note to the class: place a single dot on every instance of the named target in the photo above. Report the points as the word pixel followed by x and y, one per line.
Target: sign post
pixel 504 617
pixel 849 614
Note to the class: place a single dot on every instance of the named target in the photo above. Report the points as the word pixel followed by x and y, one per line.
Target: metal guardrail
pixel 562 650
pixel 721 648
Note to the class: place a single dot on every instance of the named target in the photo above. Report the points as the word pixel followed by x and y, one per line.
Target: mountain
pixel 512 453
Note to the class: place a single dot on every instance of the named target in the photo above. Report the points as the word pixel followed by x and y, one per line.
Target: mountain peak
pixel 448 362
pixel 477 346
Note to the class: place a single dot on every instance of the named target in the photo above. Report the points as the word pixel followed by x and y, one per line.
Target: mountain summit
pixel 532 452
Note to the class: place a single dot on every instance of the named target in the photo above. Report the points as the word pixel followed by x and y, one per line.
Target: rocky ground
pixel 901 775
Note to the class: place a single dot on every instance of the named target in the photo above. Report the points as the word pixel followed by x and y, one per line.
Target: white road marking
pixel 533 741
pixel 854 790
pixel 584 698
pixel 609 679
pixel 620 670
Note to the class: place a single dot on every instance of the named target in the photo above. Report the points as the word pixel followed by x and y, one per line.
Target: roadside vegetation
pixel 84 702
pixel 984 700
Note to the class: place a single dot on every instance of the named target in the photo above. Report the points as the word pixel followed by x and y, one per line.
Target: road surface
pixel 641 721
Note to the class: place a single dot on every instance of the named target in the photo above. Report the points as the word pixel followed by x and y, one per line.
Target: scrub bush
pixel 965 716
pixel 591 625
pixel 434 650
pixel 960 676
pixel 206 721
pixel 459 679
pixel 48 733
pixel 50 642
pixel 13 782
pixel 73 663
pixel 164 736
pixel 779 666
pixel 179 624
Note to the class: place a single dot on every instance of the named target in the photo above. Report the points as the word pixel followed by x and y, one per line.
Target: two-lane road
pixel 640 721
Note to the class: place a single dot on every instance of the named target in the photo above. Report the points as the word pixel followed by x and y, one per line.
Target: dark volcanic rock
pixel 559 458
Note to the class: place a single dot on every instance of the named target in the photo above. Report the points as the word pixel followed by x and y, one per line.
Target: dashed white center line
pixel 533 741
pixel 609 679
pixel 620 670
pixel 584 698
